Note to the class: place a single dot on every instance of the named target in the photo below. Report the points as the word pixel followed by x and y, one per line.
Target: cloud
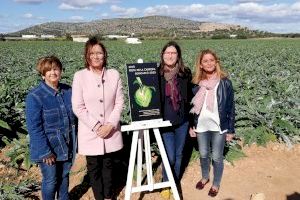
pixel 30 1
pixel 104 15
pixel 28 15
pixel 8 28
pixel 13 27
pixel 124 12
pixel 188 11
pixel 249 1
pixel 77 18
pixel 276 13
pixel 65 6
pixel 80 4
pixel 241 13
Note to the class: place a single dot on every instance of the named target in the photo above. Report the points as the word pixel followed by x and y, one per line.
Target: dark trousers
pixel 100 172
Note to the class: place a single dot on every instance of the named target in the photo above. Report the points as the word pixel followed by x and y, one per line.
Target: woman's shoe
pixel 213 192
pixel 165 193
pixel 200 185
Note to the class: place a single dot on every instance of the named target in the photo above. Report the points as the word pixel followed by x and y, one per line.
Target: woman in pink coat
pixel 97 101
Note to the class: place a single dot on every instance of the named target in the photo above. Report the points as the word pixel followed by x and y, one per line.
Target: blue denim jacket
pixel 51 123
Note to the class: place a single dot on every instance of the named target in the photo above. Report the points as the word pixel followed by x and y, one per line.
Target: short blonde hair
pixel 47 63
pixel 200 73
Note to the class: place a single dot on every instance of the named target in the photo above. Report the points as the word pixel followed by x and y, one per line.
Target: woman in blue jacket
pixel 51 125
pixel 213 116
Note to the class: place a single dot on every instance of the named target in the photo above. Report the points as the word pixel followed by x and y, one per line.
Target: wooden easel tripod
pixel 141 131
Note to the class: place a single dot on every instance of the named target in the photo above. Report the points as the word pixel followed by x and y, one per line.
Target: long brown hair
pixel 88 45
pixel 182 69
pixel 200 73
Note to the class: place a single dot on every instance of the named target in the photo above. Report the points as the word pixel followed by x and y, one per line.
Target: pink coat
pixel 97 100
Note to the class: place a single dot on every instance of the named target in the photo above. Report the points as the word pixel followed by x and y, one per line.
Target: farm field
pixel 265 75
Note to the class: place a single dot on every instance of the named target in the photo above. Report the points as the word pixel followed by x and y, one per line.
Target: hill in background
pixel 151 26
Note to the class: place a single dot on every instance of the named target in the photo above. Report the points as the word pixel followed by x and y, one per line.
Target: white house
pixel 79 38
pixel 47 36
pixel 29 36
pixel 132 40
pixel 117 36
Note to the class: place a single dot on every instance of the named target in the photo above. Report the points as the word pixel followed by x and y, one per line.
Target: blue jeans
pixel 211 147
pixel 174 139
pixel 55 180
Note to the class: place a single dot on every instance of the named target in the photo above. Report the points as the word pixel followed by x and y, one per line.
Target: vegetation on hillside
pixel 145 27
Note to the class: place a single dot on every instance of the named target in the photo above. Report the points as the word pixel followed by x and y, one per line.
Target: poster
pixel 143 91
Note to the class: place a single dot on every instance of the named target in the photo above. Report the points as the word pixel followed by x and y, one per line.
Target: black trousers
pixel 100 169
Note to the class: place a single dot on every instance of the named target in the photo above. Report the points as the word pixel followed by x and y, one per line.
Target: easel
pixel 141 130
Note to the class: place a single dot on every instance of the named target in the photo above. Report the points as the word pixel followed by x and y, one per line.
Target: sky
pixel 266 15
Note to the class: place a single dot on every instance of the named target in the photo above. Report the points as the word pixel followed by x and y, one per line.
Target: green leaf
pixel 5 125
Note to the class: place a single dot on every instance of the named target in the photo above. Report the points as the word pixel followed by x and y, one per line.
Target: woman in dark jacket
pixel 213 116
pixel 176 95
pixel 51 125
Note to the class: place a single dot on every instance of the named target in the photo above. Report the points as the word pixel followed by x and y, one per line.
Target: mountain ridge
pixel 145 26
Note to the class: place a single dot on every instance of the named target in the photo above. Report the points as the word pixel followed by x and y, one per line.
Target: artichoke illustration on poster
pixel 143 82
pixel 143 95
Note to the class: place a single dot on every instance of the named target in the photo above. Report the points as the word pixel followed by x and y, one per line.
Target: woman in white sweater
pixel 213 116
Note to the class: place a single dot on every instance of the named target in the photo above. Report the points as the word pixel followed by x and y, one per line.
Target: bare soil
pixel 272 171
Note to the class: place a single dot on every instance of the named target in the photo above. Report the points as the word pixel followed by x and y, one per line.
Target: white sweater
pixel 209 121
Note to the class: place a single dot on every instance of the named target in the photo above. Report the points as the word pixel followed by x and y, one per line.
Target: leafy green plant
pixel 18 151
pixel 260 135
pixel 17 191
pixel 233 151
pixel 195 155
pixel 4 125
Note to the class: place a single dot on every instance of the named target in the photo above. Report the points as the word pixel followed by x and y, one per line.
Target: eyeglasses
pixel 99 54
pixel 170 53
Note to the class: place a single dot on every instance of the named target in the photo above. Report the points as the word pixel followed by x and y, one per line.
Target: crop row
pixel 265 75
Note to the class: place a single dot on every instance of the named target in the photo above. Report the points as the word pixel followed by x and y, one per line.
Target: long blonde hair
pixel 200 73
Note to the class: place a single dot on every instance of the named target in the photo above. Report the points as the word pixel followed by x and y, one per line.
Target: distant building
pixel 233 36
pixel 116 36
pixel 132 40
pixel 47 36
pixel 29 36
pixel 80 38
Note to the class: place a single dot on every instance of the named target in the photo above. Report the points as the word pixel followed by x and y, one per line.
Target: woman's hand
pixel 229 137
pixel 50 160
pixel 192 132
pixel 104 130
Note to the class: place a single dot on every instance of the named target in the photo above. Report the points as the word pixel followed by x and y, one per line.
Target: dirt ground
pixel 272 171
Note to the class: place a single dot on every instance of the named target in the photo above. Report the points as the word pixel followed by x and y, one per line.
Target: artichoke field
pixel 265 75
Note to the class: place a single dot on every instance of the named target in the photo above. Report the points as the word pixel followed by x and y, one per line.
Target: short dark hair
pixel 47 63
pixel 88 45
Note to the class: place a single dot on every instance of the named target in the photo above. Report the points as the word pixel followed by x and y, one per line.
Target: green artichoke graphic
pixel 143 95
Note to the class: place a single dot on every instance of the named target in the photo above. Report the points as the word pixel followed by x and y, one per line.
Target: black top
pixel 185 89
